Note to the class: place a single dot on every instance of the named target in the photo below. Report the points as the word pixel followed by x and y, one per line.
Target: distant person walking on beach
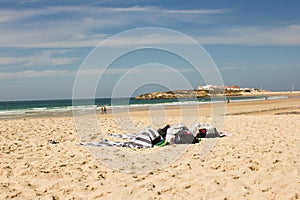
pixel 228 100
pixel 103 110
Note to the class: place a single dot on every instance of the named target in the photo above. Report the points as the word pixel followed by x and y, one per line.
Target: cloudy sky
pixel 43 43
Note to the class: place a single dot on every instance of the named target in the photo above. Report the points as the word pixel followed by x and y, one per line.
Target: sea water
pixel 15 109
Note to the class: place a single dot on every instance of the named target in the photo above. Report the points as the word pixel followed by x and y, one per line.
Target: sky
pixel 43 44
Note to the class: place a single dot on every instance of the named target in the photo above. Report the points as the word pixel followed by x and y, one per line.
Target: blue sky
pixel 43 43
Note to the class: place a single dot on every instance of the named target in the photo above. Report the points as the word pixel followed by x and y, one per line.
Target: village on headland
pixel 214 91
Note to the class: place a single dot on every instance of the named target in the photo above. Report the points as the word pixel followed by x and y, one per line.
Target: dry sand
pixel 260 161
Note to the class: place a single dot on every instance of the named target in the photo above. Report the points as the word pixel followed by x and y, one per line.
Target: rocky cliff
pixel 174 94
pixel 185 94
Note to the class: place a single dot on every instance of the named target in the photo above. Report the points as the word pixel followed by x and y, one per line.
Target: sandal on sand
pixel 53 141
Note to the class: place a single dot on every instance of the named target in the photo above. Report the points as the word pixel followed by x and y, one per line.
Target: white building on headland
pixel 215 87
pixel 206 87
pixel 234 88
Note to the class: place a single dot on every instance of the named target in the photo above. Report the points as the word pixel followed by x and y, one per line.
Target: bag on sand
pixel 206 130
pixel 185 137
pixel 179 134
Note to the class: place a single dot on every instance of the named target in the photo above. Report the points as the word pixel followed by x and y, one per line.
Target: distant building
pixel 207 87
pixel 214 87
pixel 232 88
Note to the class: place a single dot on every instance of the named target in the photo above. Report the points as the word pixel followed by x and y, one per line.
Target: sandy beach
pixel 260 161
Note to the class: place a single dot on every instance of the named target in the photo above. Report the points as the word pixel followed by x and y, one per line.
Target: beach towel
pixel 176 134
pixel 144 139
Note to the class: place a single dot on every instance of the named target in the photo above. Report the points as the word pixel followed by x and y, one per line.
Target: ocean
pixel 17 109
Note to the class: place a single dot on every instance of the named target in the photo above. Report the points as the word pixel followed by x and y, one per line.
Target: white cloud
pixel 151 70
pixel 43 58
pixel 13 15
pixel 8 16
pixel 200 11
pixel 87 26
pixel 84 25
pixel 169 11
pixel 34 74
pixel 255 35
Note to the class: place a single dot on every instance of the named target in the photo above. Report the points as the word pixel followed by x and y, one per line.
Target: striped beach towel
pixel 144 139
pixel 176 134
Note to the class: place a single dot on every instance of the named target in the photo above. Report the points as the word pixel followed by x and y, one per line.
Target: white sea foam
pixel 277 97
pixel 245 100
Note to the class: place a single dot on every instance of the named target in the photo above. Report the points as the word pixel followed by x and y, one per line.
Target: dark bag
pixel 163 131
pixel 185 137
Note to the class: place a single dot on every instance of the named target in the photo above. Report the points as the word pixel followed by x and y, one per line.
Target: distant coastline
pixel 204 93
